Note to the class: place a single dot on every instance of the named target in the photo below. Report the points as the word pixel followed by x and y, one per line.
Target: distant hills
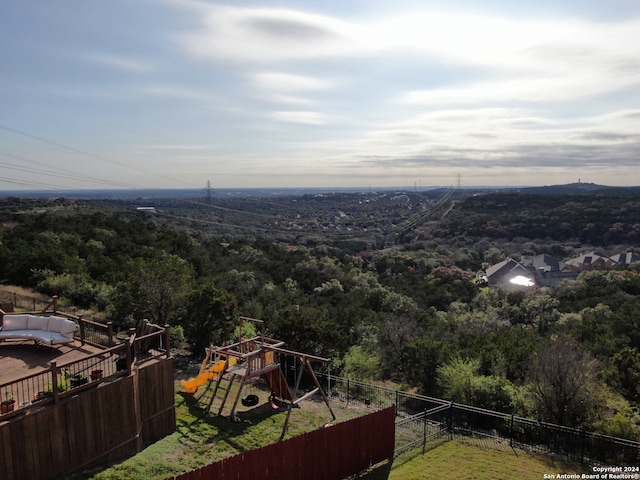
pixel 578 188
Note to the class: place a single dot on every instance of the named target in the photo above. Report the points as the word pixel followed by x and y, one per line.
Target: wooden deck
pixel 20 359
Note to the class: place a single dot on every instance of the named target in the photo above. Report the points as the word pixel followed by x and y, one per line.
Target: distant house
pixel 510 274
pixel 626 258
pixel 547 270
pixel 543 263
pixel 590 261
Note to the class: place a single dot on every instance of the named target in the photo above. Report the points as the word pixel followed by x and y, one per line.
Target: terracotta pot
pixel 96 374
pixel 6 407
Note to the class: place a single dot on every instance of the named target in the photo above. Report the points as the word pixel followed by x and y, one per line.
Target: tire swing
pixel 250 400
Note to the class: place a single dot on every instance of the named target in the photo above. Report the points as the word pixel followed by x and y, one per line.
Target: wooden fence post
pixel 167 339
pixel 130 353
pixel 110 341
pixel 82 329
pixel 54 380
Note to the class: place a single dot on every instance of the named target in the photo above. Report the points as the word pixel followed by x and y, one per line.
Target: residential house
pixel 590 261
pixel 547 269
pixel 626 258
pixel 510 274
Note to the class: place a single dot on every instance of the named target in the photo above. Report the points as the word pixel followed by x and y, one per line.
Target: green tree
pixel 360 364
pixel 627 369
pixel 460 381
pixel 209 317
pixel 561 379
pixel 155 289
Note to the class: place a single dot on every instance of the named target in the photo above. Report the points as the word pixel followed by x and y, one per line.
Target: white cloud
pixel 262 35
pixel 286 82
pixel 286 88
pixel 178 147
pixel 174 92
pixel 307 118
pixel 121 63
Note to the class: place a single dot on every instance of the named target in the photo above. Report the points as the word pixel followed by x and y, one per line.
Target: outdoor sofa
pixel 51 330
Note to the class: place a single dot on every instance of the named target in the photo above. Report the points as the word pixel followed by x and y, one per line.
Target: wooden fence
pixel 97 426
pixel 331 453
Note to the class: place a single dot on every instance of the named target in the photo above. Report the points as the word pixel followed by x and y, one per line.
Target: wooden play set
pixel 248 359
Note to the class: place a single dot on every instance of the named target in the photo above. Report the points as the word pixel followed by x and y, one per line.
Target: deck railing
pixel 61 380
pixel 89 331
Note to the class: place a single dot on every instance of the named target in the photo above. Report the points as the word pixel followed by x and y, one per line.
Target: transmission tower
pixel 207 198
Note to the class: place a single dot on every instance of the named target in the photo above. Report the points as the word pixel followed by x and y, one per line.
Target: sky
pixel 339 93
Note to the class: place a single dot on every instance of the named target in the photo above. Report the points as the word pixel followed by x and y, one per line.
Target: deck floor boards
pixel 19 359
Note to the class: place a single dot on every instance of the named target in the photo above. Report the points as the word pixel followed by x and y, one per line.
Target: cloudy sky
pixel 362 93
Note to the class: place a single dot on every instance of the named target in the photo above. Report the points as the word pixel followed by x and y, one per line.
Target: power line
pixel 58 172
pixel 89 154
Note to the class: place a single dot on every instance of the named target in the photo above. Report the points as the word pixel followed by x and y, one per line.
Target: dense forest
pixel 387 290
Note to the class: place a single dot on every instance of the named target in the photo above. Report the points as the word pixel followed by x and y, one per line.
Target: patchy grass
pixel 202 438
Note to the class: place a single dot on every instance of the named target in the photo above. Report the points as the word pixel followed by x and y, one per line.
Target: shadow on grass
pixel 246 417
pixel 378 472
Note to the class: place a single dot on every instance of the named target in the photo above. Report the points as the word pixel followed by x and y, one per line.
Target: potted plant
pixel 96 374
pixel 43 395
pixel 78 379
pixel 63 386
pixel 8 404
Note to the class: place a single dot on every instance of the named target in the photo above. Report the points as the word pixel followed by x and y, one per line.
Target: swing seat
pixel 250 400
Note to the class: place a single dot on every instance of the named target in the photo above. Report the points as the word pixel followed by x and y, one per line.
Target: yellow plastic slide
pixel 192 385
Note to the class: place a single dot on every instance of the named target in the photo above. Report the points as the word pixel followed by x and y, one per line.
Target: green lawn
pixel 472 459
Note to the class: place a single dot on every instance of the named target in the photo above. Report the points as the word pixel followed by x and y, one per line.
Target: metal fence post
pixel 424 432
pixel 583 435
pixel 348 392
pixel 511 432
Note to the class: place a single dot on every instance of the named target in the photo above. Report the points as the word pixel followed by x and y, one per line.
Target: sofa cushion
pixel 16 334
pixel 40 336
pixel 38 323
pixel 62 325
pixel 59 338
pixel 14 322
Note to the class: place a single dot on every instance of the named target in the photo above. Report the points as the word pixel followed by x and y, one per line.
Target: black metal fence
pixel 422 419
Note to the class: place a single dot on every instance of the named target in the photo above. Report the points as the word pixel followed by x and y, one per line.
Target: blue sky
pixel 175 93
